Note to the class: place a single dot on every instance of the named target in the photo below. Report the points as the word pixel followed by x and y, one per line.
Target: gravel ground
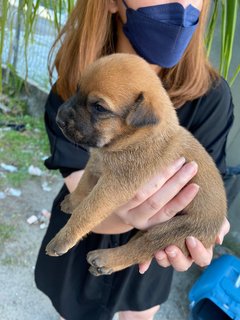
pixel 19 298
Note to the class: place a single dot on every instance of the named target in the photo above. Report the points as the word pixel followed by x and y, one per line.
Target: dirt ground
pixel 19 298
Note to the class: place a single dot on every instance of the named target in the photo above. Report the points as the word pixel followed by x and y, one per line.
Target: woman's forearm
pixel 73 179
pixel 111 225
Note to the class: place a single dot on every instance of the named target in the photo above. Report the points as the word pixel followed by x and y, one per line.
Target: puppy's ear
pixel 141 114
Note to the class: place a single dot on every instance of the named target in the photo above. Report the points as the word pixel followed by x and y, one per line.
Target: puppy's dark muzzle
pixel 61 123
pixel 65 113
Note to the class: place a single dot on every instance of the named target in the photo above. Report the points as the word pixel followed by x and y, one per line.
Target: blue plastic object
pixel 216 294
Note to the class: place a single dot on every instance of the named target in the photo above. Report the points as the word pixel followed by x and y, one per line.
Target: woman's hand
pixel 159 200
pixel 200 255
pixel 162 197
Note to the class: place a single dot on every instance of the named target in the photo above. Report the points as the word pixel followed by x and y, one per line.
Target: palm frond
pixel 228 29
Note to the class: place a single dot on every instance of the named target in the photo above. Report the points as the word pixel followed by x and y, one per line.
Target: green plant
pixel 29 145
pixel 14 83
pixel 29 10
pixel 6 232
pixel 58 8
pixel 3 19
pixel 229 13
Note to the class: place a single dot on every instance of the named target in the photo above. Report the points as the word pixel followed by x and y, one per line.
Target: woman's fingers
pixel 143 267
pixel 162 259
pixel 198 254
pixel 201 256
pixel 177 204
pixel 153 185
pixel 177 259
pixel 138 216
pixel 223 231
pixel 172 256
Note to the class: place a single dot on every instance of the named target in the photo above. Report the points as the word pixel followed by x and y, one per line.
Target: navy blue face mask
pixel 161 33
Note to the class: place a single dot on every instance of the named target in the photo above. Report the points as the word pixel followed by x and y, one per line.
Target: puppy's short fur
pixel 123 113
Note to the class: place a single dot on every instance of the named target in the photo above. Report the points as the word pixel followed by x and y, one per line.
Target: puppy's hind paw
pixel 99 271
pixel 99 265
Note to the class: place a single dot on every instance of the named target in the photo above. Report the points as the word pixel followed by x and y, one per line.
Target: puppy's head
pixel 118 96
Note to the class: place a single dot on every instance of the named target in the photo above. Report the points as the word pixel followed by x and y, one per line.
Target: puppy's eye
pixel 99 108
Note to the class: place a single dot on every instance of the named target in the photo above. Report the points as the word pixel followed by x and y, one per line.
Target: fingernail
pixel 160 255
pixel 196 186
pixel 179 163
pixel 191 241
pixel 191 167
pixel 219 240
pixel 142 270
pixel 171 253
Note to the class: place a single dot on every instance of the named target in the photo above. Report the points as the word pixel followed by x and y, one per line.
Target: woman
pixel 169 35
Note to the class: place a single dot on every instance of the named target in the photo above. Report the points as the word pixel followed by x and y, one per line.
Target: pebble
pixel 33 219
pixel 46 213
pixel 34 171
pixel 9 167
pixel 13 192
pixel 46 187
pixel 2 195
pixel 41 219
pixel 43 226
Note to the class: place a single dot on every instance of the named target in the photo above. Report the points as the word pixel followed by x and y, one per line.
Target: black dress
pixel 74 292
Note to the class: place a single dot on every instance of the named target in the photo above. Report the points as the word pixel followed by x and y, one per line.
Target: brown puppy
pixel 123 113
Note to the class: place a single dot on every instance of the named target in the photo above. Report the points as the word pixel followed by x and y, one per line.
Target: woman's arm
pixel 140 210
pixel 157 201
pixel 73 179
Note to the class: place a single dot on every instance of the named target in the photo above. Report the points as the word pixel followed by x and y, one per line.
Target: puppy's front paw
pixel 59 245
pixel 67 204
pixel 99 265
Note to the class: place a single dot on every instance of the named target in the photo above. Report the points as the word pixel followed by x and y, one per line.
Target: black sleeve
pixel 212 118
pixel 65 156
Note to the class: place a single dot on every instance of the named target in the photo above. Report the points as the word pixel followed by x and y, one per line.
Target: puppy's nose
pixel 61 123
pixel 65 113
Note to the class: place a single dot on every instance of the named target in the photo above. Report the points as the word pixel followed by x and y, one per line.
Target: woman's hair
pixel 90 33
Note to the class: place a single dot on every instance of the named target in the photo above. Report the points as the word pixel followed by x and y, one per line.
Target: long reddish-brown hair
pixel 90 33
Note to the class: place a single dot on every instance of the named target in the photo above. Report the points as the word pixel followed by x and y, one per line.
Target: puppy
pixel 125 116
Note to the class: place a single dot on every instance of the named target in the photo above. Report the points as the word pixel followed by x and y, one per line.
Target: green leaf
pixel 229 22
pixel 211 28
pixel 4 12
pixel 236 73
